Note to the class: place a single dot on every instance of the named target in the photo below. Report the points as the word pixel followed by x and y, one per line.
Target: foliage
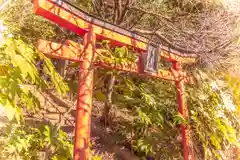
pixel 18 59
pixel 18 69
pixel 234 84
pixel 20 76
pixel 96 157
pixel 213 125
pixel 180 24
pixel 155 117
pixel 152 131
pixel 24 142
pixel 117 55
pixel 21 22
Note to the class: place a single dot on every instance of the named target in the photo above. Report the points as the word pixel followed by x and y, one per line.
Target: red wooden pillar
pixel 182 108
pixel 84 102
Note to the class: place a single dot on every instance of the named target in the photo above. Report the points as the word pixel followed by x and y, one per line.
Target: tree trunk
pixel 108 103
pixel 61 67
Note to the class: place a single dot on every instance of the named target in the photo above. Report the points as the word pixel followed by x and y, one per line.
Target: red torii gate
pixel 92 29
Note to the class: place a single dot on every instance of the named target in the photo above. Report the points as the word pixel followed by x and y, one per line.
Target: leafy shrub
pixel 45 141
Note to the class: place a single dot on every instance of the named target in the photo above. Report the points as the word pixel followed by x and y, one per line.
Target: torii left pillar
pixel 84 101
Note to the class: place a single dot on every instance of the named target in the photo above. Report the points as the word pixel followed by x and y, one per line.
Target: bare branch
pixel 206 31
pixel 115 8
pixel 97 7
pixel 136 21
pixel 123 12
pixel 148 12
pixel 181 49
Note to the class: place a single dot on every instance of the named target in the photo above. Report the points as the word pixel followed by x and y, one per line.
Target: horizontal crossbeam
pixel 72 51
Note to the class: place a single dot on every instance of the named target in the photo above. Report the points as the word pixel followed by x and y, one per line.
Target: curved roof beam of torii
pixel 66 15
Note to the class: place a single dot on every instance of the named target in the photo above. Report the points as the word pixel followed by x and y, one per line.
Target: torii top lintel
pixel 67 15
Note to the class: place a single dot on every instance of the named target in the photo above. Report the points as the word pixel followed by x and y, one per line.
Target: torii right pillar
pixel 182 108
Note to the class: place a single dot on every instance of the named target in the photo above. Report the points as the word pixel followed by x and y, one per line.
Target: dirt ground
pixel 105 140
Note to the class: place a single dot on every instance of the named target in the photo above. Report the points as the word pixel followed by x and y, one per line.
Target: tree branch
pixel 136 20
pixel 151 13
pixel 97 8
pixel 123 12
pixel 181 49
pixel 115 11
pixel 119 8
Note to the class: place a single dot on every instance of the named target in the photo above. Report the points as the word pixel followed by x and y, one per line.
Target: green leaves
pixel 142 145
pixel 212 123
pixel 19 80
pixel 179 119
pixel 117 55
pixel 3 69
pixel 10 111
pixel 47 134
pixel 19 72
pixel 26 142
pixel 96 157
pixel 152 105
pixel 143 117
pixel 57 81
pixel 234 85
